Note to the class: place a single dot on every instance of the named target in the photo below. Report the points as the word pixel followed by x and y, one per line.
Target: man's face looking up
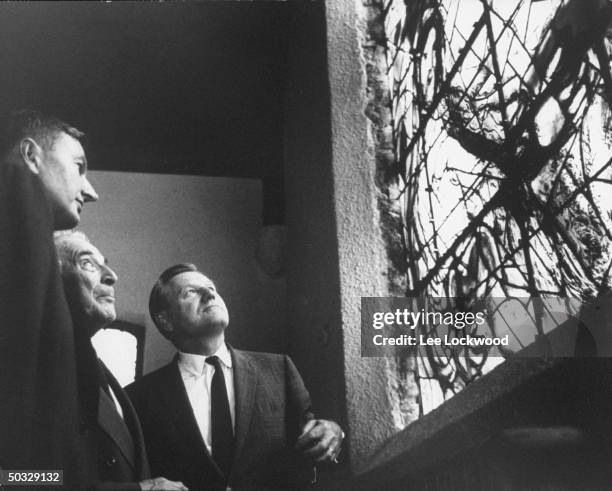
pixel 196 308
pixel 89 284
pixel 62 167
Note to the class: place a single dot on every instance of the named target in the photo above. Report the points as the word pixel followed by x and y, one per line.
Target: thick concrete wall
pixel 335 252
pixel 361 253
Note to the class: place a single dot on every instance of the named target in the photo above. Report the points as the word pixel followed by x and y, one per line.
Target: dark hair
pixel 32 123
pixel 158 302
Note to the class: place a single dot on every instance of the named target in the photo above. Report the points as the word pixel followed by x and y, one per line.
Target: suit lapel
pixel 245 385
pixel 176 405
pixel 113 425
pixel 133 425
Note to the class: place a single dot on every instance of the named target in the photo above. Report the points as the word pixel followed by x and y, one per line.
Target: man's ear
pixel 31 154
pixel 164 324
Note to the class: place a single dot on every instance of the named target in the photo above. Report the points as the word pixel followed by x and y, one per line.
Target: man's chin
pixel 67 221
pixel 215 314
pixel 216 328
pixel 107 318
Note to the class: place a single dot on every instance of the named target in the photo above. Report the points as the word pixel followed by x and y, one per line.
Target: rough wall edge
pixel 361 251
pixel 402 375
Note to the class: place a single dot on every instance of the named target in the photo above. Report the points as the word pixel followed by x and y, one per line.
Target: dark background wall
pixel 217 89
pixel 313 309
pixel 182 88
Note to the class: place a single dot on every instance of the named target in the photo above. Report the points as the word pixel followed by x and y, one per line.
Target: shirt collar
pixel 195 364
pixel 224 355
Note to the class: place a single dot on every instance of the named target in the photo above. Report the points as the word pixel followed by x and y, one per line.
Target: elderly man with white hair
pixel 112 435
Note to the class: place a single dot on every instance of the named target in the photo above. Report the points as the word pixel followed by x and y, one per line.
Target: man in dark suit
pixel 111 434
pixel 217 417
pixel 43 187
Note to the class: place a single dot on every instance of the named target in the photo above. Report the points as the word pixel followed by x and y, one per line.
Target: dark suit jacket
pixel 39 407
pixel 272 405
pixel 48 370
pixel 116 443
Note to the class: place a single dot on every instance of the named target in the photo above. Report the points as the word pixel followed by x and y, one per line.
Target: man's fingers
pixel 309 435
pixel 329 455
pixel 326 445
pixel 320 441
pixel 305 441
pixel 162 484
pixel 308 426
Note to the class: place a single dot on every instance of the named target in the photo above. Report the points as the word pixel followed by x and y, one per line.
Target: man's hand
pixel 162 484
pixel 320 441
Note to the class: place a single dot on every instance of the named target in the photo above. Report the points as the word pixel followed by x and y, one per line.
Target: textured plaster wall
pixel 361 252
pixel 402 384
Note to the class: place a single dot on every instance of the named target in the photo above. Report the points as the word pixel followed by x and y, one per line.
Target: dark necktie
pixel 221 424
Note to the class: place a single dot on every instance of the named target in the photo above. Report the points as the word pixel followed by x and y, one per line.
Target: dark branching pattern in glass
pixel 502 152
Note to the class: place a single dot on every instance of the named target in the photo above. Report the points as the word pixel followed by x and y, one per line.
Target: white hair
pixel 64 248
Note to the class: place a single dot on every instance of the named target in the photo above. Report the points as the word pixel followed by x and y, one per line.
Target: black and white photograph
pixel 306 244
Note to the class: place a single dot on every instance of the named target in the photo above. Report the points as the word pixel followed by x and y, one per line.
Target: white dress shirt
pixel 116 401
pixel 197 376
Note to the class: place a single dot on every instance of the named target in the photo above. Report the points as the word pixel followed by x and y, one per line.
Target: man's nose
pixel 108 275
pixel 208 293
pixel 88 192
